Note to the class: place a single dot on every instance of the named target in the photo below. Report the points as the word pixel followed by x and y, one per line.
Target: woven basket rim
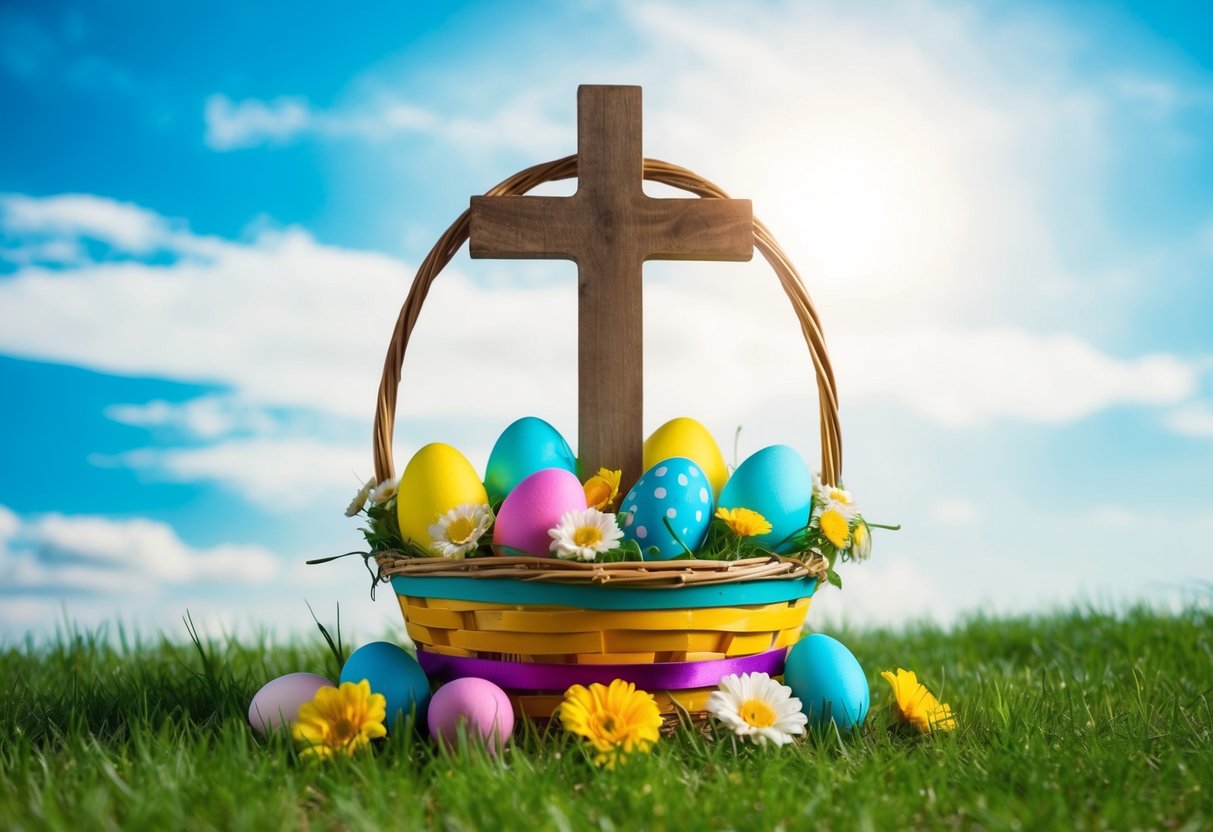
pixel 622 574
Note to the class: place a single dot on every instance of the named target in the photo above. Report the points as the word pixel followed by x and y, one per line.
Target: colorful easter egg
pixel 535 505
pixel 827 679
pixel 774 482
pixel 278 702
pixel 675 490
pixel 437 479
pixel 482 708
pixel 392 672
pixel 526 446
pixel 688 439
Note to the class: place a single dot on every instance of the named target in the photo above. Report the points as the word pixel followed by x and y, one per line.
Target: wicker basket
pixel 536 626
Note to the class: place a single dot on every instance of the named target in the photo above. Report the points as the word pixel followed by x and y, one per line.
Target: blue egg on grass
pixel 526 446
pixel 674 490
pixel 392 672
pixel 774 482
pixel 827 679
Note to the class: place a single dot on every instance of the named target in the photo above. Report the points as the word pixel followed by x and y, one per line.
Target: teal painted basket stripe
pixel 508 591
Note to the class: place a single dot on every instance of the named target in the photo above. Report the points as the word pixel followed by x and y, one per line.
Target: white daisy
pixel 755 705
pixel 833 498
pixel 459 530
pixel 359 500
pixel 581 535
pixel 383 492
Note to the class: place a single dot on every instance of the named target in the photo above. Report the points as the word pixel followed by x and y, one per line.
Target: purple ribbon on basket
pixel 655 676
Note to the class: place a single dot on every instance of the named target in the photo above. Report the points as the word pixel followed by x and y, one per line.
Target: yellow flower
pixel 917 705
pixel 861 541
pixel 616 720
pixel 743 522
pixel 340 720
pixel 835 527
pixel 602 489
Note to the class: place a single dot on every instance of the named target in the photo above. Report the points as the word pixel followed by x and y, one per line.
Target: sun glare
pixel 876 204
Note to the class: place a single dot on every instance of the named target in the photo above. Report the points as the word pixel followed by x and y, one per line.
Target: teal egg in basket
pixel 528 445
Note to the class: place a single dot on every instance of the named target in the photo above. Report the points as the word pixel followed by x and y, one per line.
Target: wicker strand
pixel 654 170
pixel 631 573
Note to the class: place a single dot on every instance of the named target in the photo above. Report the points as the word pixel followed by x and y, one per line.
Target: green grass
pixel 1073 721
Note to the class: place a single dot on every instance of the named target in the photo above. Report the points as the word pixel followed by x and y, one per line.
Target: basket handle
pixel 656 171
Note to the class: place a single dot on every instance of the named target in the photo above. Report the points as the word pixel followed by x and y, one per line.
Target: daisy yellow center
pixel 757 713
pixel 461 530
pixel 587 536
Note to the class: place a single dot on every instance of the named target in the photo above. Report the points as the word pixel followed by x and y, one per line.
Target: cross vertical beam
pixel 609 227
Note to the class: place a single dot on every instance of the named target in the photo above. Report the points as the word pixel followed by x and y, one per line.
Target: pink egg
pixel 278 701
pixel 479 705
pixel 535 505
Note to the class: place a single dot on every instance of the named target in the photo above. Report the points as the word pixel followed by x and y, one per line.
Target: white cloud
pixel 10 523
pixel 278 474
pixel 71 216
pixel 953 511
pixel 960 377
pixel 207 418
pixel 252 122
pixel 55 552
pixel 1193 419
pixel 232 125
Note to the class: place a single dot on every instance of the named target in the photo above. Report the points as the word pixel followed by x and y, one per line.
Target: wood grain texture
pixel 609 227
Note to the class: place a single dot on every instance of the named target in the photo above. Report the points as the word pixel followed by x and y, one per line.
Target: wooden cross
pixel 609 227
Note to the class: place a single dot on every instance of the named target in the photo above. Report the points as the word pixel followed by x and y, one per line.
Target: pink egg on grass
pixel 535 505
pixel 482 708
pixel 278 702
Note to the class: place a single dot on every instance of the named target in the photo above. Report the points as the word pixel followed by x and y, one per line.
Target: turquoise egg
pixel 774 482
pixel 391 671
pixel 827 679
pixel 526 446
pixel 676 490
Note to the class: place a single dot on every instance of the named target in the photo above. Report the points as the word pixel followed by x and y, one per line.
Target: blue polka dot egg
pixel 674 491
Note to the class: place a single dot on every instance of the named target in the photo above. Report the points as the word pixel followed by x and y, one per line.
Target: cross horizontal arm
pixel 523 227
pixel 697 229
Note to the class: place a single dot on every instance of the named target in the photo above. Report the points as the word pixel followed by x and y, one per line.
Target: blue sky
pixel 208 219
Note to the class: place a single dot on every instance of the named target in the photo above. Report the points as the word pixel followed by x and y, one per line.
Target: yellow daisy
pixel 743 522
pixel 340 720
pixel 835 527
pixel 602 489
pixel 916 705
pixel 616 720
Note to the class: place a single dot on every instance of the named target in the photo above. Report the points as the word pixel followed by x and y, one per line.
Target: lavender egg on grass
pixel 278 702
pixel 827 679
pixel 392 672
pixel 481 707
pixel 674 490
pixel 526 446
pixel 534 506
pixel 774 482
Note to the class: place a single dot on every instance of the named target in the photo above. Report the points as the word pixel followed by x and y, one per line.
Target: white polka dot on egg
pixel 642 532
pixel 682 480
pixel 693 471
pixel 659 493
pixel 671 513
pixel 698 516
pixel 660 472
pixel 703 495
